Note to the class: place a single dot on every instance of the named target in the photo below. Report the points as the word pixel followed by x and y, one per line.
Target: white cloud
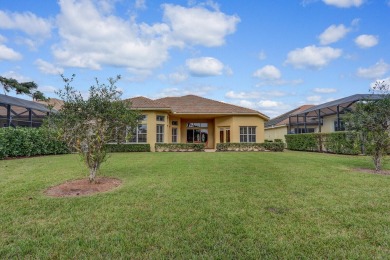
pixel 268 103
pixel 91 38
pixel 333 33
pixel 254 94
pixel 366 41
pixel 198 25
pixel 204 67
pixel 325 90
pixel 279 82
pixel 312 57
pixel 242 95
pixel 344 3
pixel 140 4
pixel 189 90
pixel 26 22
pixel 17 76
pixel 374 72
pixel 268 72
pixel 48 68
pixel 315 98
pixel 8 53
pixel 47 89
pixel 178 77
pixel 174 78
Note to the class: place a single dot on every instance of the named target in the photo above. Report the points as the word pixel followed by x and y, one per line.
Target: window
pixel 174 135
pixel 197 132
pixel 175 123
pixel 160 118
pixel 160 134
pixel 302 130
pixel 143 118
pixel 342 126
pixel 247 134
pixel 197 125
pixel 139 135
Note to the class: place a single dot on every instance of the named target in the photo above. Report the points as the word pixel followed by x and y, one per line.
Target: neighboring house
pixel 326 117
pixel 193 119
pixel 323 118
pixel 19 112
pixel 277 128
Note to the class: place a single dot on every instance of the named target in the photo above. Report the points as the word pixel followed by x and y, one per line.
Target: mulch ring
pixel 82 187
pixel 371 171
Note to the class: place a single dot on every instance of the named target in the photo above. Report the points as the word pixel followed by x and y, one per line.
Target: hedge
pixel 248 147
pixel 18 142
pixel 179 147
pixel 337 142
pixel 120 148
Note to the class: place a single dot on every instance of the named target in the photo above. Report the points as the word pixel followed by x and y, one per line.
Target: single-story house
pixel 277 128
pixel 322 118
pixel 194 119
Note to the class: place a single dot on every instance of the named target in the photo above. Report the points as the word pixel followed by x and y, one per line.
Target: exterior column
pixel 319 120
pixel 338 118
pixel 9 115
pixel 30 117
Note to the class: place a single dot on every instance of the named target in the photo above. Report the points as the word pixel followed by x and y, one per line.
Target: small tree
pixel 87 125
pixel 371 118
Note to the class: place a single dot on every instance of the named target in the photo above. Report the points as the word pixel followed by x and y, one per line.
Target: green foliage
pixel 16 142
pixel 278 140
pixel 337 142
pixel 179 147
pixel 304 142
pixel 249 147
pixel 371 118
pixel 125 148
pixel 342 143
pixel 27 88
pixel 88 125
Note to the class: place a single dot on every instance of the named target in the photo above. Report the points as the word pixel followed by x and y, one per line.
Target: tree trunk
pixel 92 172
pixel 377 158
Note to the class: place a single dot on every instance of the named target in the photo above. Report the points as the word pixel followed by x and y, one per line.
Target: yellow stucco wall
pixel 151 122
pixel 234 123
pixel 214 125
pixel 275 133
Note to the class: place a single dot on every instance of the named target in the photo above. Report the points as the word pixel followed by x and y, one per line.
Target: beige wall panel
pixel 275 133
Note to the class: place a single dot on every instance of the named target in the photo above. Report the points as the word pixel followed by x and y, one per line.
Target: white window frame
pixel 159 133
pixel 174 134
pixel 247 134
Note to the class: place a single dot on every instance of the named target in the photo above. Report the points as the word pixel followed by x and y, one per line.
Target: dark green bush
pixel 121 148
pixel 179 147
pixel 17 142
pixel 244 147
pixel 304 142
pixel 278 140
pixel 337 142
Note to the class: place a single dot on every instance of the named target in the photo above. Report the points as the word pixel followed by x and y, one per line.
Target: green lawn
pixel 198 205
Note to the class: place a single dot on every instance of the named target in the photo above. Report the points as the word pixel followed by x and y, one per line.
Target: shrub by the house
pixel 17 142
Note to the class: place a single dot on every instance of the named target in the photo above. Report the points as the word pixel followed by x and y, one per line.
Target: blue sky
pixel 271 56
